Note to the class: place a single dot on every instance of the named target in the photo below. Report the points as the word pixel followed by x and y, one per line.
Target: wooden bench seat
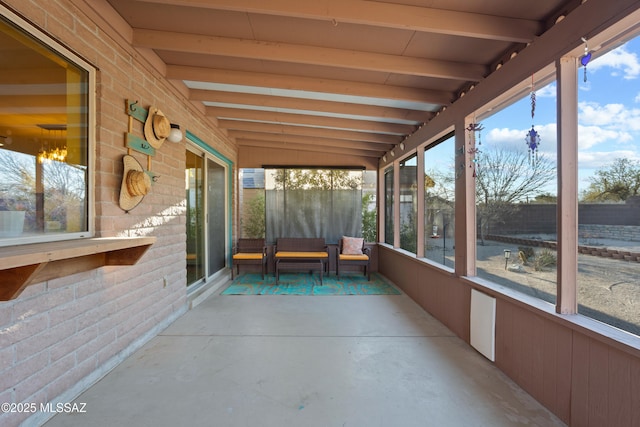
pixel 301 254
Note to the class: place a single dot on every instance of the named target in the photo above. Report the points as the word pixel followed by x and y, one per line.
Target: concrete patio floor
pixel 306 361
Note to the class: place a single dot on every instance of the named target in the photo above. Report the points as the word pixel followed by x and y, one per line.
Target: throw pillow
pixel 352 245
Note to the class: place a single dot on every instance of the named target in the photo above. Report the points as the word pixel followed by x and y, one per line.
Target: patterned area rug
pixel 307 284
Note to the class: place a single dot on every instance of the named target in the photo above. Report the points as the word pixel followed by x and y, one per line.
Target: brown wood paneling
pixel 458 307
pixel 550 362
pixel 619 389
pixel 522 367
pixel 635 391
pixel 504 334
pixel 562 375
pixel 598 383
pixel 535 353
pixel 536 328
pixel 580 381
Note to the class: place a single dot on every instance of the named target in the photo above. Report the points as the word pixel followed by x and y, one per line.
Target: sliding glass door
pixel 216 214
pixel 206 203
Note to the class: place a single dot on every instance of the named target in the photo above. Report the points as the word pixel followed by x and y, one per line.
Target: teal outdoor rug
pixel 307 284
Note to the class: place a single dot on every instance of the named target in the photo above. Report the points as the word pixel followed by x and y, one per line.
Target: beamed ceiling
pixel 349 77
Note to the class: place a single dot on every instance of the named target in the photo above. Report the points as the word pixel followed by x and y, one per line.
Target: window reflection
pixel 608 277
pixel 388 205
pixel 439 201
pixel 408 204
pixel 516 198
pixel 43 139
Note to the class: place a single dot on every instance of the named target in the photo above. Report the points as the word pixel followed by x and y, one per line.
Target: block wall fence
pixel 59 336
pixel 613 221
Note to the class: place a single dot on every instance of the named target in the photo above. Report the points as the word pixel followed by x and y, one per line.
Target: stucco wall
pixel 59 336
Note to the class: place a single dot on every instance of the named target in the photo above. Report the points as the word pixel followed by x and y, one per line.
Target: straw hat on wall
pixel 135 184
pixel 156 128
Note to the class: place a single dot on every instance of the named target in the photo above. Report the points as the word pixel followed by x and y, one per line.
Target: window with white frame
pixel 45 95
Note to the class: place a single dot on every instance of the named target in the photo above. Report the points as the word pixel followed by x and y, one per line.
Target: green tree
pixel 330 179
pixel 505 178
pixel 369 219
pixel 254 225
pixel 318 179
pixel 615 182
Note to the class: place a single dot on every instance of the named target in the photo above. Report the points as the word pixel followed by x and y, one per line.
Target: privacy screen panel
pixel 313 203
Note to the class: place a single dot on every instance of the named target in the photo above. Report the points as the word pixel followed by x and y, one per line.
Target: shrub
pixel 545 258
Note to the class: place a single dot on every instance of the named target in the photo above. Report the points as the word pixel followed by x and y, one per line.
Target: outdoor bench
pixel 300 253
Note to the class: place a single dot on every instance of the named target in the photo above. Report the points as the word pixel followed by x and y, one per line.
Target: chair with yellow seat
pixel 249 252
pixel 351 251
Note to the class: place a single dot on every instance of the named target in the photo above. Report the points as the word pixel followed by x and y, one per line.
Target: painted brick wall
pixel 61 335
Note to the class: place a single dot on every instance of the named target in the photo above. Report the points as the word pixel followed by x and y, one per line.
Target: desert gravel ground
pixel 608 289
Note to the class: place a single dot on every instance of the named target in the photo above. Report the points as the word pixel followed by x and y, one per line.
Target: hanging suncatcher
pixel 474 143
pixel 533 138
pixel 584 59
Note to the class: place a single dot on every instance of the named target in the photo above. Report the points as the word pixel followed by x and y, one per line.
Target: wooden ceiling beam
pixel 310 105
pixel 388 15
pixel 309 84
pixel 345 150
pixel 304 54
pixel 317 141
pixel 309 120
pixel 232 125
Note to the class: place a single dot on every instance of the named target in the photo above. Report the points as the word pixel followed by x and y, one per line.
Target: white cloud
pixel 609 115
pixel 622 61
pixel 592 113
pixel 515 138
pixel 590 136
pixel 504 135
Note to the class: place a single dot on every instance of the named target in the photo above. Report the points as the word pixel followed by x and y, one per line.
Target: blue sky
pixel 609 114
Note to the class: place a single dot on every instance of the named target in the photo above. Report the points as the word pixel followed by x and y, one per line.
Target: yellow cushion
pixel 282 254
pixel 362 257
pixel 248 255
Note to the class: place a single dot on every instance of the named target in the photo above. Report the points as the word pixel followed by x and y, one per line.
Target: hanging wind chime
pixel 533 138
pixel 474 151
pixel 584 60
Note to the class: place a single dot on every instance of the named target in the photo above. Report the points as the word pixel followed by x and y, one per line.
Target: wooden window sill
pixel 23 265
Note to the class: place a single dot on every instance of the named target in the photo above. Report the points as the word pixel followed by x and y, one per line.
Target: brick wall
pixel 58 337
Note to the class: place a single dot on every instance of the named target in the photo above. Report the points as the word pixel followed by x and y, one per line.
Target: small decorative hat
pixel 135 184
pixel 156 128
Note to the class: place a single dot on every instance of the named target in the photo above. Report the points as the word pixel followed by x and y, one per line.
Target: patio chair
pixel 351 251
pixel 249 252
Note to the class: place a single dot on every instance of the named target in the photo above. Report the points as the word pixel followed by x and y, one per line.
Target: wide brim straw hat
pixel 136 184
pixel 156 128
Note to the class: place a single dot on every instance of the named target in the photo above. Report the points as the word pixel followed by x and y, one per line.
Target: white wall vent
pixel 483 324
